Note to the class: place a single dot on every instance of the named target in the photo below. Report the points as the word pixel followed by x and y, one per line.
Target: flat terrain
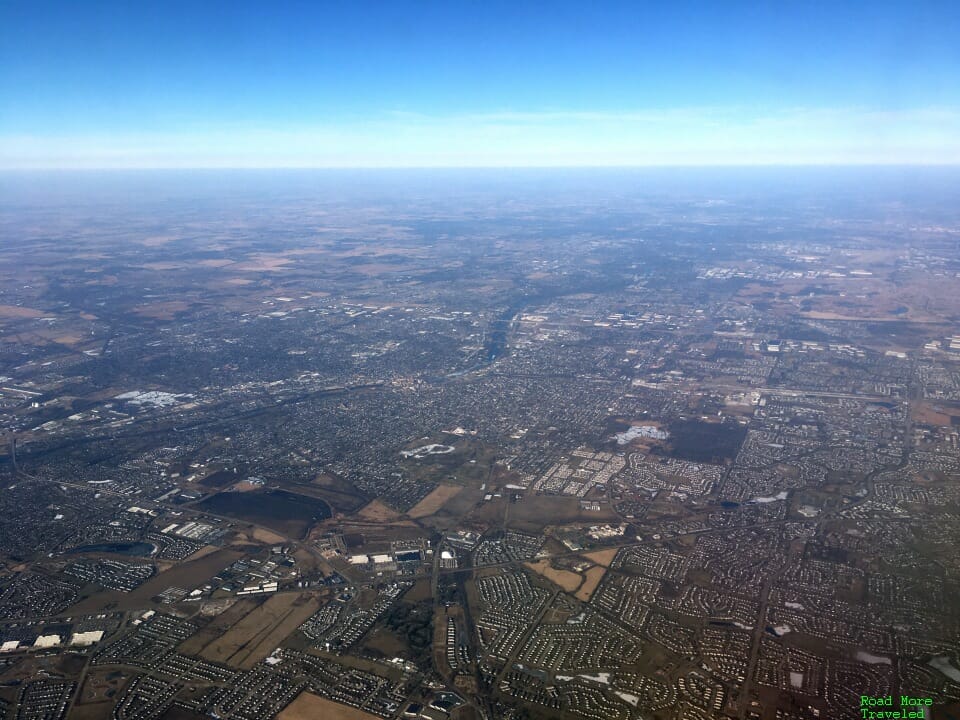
pixel 566 579
pixel 439 497
pixel 225 383
pixel 602 557
pixel 376 511
pixel 261 630
pixel 592 578
pixel 308 706
pixel 220 624
pixel 286 512
pixel 187 575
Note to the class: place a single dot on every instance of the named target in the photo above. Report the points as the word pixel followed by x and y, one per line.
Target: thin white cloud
pixel 677 136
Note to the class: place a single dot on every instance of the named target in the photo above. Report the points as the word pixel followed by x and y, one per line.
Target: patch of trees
pixel 415 624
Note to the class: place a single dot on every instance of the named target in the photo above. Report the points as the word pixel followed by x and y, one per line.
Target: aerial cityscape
pixel 498 360
pixel 481 453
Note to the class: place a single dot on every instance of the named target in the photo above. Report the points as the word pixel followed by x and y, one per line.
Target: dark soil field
pixel 286 512
pixel 219 479
pixel 700 441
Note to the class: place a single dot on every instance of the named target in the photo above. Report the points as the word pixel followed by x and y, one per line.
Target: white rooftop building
pixel 47 641
pixel 86 638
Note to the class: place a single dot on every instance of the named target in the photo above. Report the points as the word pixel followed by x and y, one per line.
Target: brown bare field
pixel 261 630
pixel 310 563
pixel 102 710
pixel 69 339
pixel 592 579
pixel 376 269
pixel 212 608
pixel 931 414
pixel 162 266
pixel 15 311
pixel 602 557
pixel 376 511
pixel 308 706
pixel 532 515
pixel 264 263
pixel 384 641
pixel 916 298
pixel 162 310
pixel 194 644
pixel 268 537
pixel 365 250
pixel 419 592
pixel 203 552
pixel 43 336
pixel 566 579
pixel 157 240
pixel 821 315
pixel 435 500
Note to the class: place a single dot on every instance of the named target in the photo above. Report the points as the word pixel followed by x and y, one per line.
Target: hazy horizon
pixel 110 85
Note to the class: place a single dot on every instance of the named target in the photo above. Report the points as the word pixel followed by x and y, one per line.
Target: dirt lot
pixel 376 511
pixel 451 515
pixel 419 592
pixel 593 577
pixel 270 538
pixel 308 706
pixel 435 500
pixel 934 414
pixel 261 630
pixel 566 579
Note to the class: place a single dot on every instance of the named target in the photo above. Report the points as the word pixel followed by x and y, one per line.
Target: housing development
pixel 503 450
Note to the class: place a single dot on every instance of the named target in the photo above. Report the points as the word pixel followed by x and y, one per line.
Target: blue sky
pixel 330 84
